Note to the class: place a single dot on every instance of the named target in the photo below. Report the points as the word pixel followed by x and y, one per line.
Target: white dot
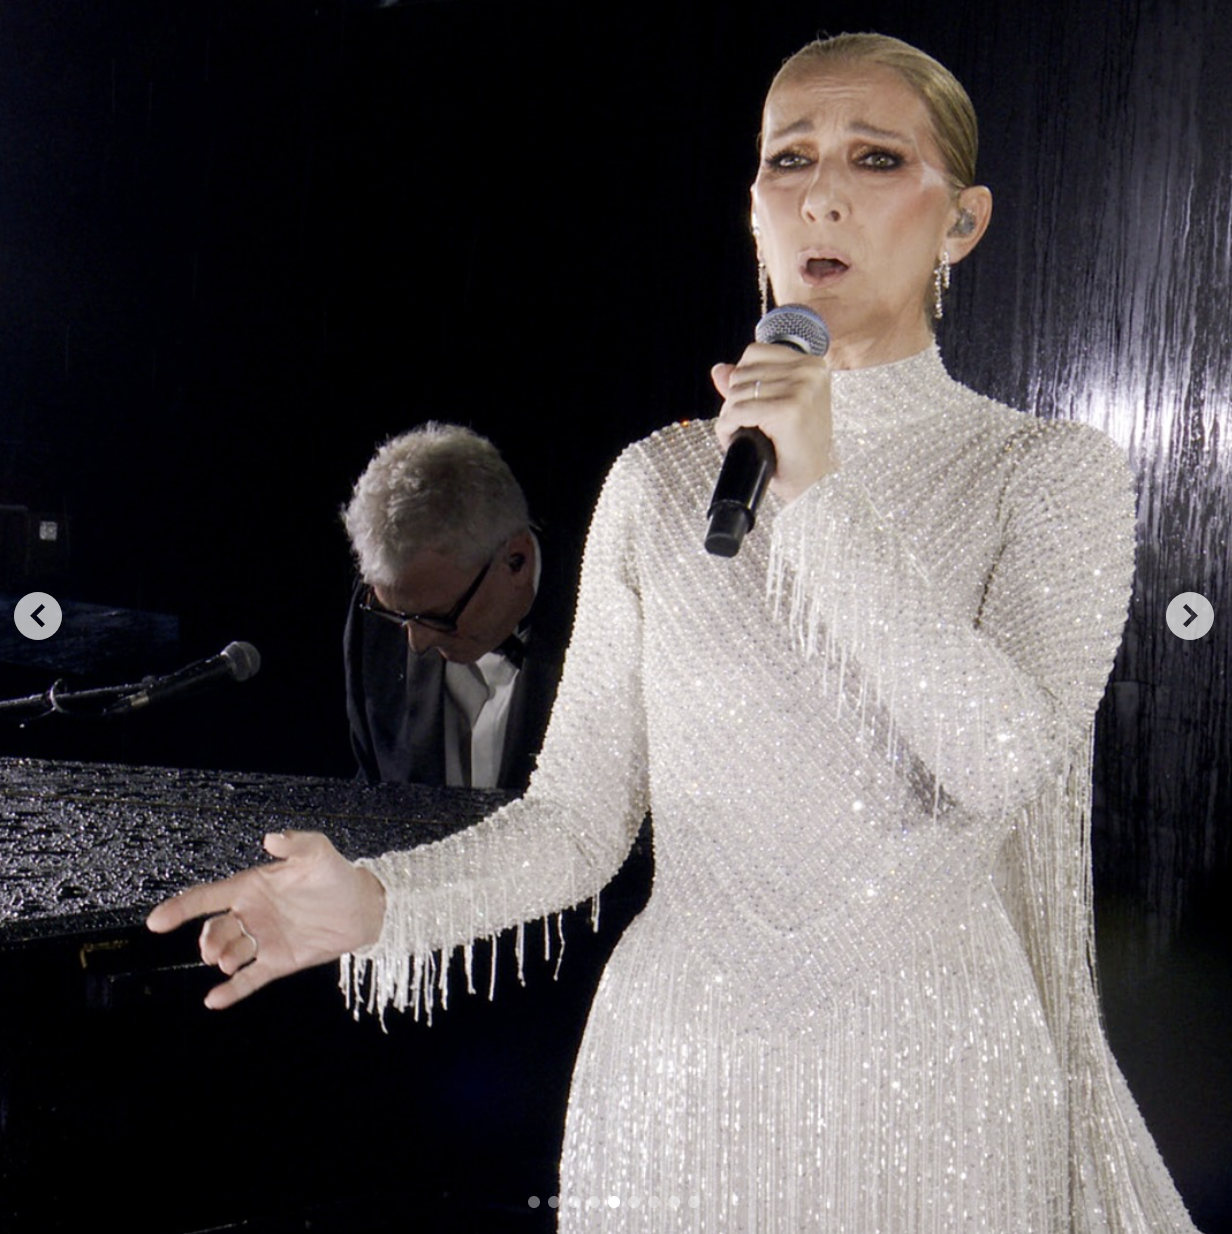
pixel 613 1201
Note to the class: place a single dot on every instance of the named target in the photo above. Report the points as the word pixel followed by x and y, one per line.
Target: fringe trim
pixel 1118 1184
pixel 844 623
pixel 418 978
pixel 816 552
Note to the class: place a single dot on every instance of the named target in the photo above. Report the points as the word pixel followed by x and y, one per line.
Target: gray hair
pixel 440 487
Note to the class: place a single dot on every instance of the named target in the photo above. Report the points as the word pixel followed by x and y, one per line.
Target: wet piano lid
pixel 93 847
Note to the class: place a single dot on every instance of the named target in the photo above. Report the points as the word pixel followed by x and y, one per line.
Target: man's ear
pixel 520 554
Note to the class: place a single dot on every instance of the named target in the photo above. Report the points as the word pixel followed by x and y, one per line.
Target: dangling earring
pixel 941 283
pixel 763 275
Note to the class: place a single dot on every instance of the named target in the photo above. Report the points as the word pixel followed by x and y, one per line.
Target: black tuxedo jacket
pixel 396 699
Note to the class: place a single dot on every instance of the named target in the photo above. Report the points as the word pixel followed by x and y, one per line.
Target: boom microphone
pixel 235 662
pixel 750 460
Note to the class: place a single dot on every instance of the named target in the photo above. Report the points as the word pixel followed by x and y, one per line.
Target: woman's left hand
pixel 308 907
pixel 787 396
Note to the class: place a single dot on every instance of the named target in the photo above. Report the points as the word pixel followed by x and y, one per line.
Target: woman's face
pixel 853 206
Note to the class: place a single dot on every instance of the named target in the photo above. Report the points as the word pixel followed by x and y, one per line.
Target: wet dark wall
pixel 242 243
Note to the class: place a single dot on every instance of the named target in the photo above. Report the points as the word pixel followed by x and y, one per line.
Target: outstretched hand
pixel 308 907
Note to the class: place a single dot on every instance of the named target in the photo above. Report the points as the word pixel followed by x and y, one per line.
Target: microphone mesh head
pixel 795 326
pixel 244 658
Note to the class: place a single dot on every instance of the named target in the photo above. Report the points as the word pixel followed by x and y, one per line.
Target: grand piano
pixel 124 1103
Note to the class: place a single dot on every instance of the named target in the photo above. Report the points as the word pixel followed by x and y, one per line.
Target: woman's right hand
pixel 787 396
pixel 308 907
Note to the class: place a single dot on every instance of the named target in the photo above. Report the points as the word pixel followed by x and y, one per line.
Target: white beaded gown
pixel 860 998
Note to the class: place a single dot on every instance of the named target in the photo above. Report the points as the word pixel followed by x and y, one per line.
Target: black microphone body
pixel 749 463
pixel 236 662
pixel 748 467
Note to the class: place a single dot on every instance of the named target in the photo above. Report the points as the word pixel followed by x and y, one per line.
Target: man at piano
pixel 453 642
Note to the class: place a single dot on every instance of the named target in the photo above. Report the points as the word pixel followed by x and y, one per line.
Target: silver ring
pixel 244 931
pixel 756 390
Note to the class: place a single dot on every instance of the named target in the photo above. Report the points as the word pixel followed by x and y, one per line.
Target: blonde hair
pixel 949 107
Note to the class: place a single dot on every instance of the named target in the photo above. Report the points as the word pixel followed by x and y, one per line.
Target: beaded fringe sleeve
pixel 558 845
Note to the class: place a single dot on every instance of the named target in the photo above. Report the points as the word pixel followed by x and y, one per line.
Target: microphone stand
pixel 57 701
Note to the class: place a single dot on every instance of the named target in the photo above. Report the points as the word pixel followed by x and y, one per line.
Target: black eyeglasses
pixel 440 623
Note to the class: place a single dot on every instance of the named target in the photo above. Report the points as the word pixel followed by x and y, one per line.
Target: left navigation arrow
pixel 37 615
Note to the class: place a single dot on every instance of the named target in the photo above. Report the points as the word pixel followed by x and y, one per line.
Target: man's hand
pixel 308 907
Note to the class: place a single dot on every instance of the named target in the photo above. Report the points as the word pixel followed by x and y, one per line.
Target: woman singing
pixel 860 998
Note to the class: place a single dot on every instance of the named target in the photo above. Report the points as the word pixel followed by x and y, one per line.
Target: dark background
pixel 242 241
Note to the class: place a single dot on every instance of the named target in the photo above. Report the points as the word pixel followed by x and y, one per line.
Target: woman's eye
pixel 880 160
pixel 786 160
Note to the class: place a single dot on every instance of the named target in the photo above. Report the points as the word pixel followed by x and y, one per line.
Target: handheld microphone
pixel 235 662
pixel 750 460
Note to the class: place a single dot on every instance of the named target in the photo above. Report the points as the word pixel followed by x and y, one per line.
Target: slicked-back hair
pixel 949 106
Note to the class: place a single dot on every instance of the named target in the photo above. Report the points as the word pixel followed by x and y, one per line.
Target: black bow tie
pixel 513 649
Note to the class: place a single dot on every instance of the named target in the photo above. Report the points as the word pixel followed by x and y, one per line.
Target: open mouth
pixel 817 269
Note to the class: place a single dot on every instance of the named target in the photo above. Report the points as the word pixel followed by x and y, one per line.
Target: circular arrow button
pixel 37 615
pixel 1190 615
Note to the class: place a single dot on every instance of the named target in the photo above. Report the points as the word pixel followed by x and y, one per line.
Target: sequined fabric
pixel 860 999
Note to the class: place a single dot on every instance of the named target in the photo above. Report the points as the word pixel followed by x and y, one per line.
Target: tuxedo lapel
pixel 551 617
pixel 529 708
pixel 420 745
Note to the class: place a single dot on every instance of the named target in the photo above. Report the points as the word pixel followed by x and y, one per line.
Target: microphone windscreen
pixel 244 659
pixel 794 325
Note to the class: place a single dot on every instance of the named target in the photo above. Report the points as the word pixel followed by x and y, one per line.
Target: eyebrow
pixel 857 126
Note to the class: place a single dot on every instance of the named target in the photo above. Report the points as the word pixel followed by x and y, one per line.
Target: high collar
pixel 889 396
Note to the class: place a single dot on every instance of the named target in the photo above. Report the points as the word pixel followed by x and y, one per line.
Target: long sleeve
pixel 565 839
pixel 991 704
